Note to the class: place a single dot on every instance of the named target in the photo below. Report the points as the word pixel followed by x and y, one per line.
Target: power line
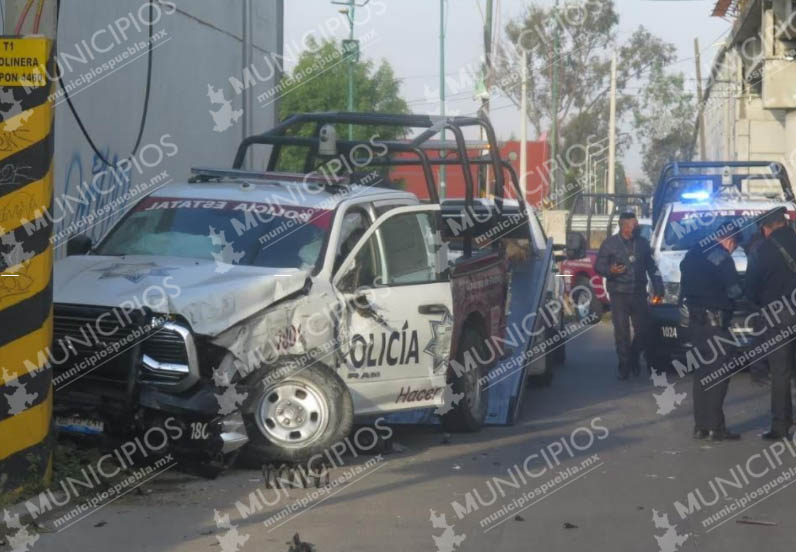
pixel 147 93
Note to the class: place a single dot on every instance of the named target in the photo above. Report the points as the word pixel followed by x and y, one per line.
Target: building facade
pixel 749 105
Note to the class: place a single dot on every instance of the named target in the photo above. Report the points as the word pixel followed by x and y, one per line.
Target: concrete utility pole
pixel 442 177
pixel 26 316
pixel 246 99
pixel 487 80
pixel 612 131
pixel 487 56
pixel 701 111
pixel 554 104
pixel 351 14
pixel 524 127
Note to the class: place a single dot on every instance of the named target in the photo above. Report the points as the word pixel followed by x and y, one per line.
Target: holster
pixel 715 318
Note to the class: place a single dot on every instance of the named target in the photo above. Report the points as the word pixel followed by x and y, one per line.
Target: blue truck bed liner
pixel 509 374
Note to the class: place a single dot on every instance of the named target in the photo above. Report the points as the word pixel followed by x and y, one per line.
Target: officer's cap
pixel 627 215
pixel 773 216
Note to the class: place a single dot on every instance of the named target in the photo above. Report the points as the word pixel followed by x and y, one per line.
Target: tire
pixel 559 354
pixel 545 379
pixel 649 362
pixel 316 412
pixel 586 302
pixel 469 413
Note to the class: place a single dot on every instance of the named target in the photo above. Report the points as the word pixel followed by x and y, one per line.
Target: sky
pixel 406 33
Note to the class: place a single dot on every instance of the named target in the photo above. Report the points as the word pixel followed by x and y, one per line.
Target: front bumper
pixel 128 371
pixel 670 342
pixel 207 431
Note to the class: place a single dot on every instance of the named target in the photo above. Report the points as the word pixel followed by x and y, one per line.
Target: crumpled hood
pixel 669 264
pixel 211 296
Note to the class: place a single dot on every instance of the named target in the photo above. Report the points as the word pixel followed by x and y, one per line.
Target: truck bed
pixel 508 377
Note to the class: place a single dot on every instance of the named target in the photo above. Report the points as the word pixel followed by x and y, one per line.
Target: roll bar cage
pixel 620 202
pixel 689 170
pixel 429 127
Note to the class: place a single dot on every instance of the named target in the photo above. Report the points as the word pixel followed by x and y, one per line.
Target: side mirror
pixel 79 245
pixel 347 283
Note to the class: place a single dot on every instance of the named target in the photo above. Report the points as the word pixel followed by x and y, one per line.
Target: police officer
pixel 710 285
pixel 758 369
pixel 770 280
pixel 625 260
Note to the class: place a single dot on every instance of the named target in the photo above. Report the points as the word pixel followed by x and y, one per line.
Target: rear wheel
pixel 559 353
pixel 299 416
pixel 469 412
pixel 587 306
pixel 545 379
pixel 649 361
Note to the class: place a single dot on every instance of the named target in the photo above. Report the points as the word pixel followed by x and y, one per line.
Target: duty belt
pixel 716 318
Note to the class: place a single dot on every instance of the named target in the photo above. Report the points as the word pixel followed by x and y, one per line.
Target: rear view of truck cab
pixel 694 204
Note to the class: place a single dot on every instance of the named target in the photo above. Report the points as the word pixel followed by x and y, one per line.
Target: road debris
pixel 297 546
pixel 746 521
pixel 288 476
pixel 568 525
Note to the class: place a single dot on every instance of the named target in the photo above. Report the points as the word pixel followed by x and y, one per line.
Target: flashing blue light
pixel 698 196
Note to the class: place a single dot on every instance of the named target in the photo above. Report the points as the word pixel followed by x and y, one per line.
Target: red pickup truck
pixel 581 281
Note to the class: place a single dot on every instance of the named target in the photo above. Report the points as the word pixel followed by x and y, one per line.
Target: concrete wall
pixel 198 43
pixel 750 105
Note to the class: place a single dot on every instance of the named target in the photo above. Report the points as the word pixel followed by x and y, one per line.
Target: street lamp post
pixel 350 49
pixel 443 184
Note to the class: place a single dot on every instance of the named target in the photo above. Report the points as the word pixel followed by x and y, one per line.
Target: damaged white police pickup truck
pixel 267 309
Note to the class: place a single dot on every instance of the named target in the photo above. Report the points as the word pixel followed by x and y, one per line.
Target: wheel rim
pixel 472 391
pixel 292 414
pixel 582 305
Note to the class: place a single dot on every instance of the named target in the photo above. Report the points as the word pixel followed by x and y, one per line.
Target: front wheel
pixel 466 379
pixel 299 416
pixel 587 306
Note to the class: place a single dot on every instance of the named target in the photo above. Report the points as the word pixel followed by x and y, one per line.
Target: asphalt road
pixel 622 458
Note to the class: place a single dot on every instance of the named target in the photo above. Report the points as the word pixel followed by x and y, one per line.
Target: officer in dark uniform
pixel 625 260
pixel 710 285
pixel 771 278
pixel 758 369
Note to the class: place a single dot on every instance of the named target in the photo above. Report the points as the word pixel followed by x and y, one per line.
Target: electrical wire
pixel 147 94
pixel 23 16
pixel 37 20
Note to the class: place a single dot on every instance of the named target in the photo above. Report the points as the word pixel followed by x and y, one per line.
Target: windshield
pixel 685 229
pixel 231 232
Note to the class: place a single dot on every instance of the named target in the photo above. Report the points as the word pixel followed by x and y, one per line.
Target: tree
pixel 319 82
pixel 587 38
pixel 664 121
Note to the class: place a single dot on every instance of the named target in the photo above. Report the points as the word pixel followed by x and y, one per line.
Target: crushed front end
pixel 119 372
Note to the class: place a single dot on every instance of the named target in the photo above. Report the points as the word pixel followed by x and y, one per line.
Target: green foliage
pixel 587 38
pixel 664 120
pixel 319 82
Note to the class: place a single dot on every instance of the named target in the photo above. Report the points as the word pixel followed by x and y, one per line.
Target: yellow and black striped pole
pixel 26 260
